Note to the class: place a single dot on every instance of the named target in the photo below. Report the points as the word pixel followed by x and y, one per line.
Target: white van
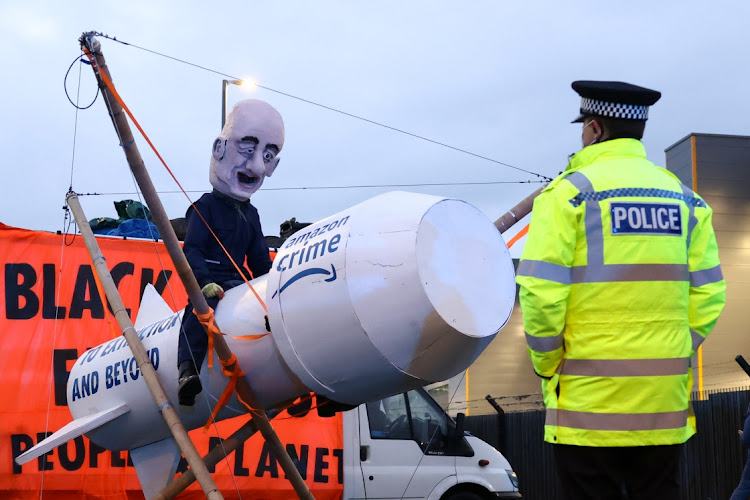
pixel 405 446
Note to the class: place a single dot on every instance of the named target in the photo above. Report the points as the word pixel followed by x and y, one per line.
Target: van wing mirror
pixel 460 446
pixel 460 422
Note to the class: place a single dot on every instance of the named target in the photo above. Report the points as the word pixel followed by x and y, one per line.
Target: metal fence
pixel 711 465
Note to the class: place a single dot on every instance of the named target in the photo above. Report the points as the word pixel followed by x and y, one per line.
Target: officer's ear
pixel 596 127
pixel 219 149
pixel 272 166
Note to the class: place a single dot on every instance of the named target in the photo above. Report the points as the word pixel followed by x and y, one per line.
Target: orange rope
pixel 520 234
pixel 247 405
pixel 209 321
pixel 212 329
pixel 234 374
pixel 114 93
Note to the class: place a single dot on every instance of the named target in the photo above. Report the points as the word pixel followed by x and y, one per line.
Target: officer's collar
pixel 228 199
pixel 611 148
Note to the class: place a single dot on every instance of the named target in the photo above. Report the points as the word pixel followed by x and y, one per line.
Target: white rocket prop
pixel 395 293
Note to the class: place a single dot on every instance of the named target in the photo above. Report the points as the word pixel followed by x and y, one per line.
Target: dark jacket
pixel 745 439
pixel 238 227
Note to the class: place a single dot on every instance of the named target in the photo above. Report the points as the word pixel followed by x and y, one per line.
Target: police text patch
pixel 646 218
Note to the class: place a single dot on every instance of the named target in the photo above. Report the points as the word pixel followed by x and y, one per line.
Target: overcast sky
pixel 490 77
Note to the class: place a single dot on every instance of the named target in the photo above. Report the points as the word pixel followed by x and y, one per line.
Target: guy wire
pixel 329 108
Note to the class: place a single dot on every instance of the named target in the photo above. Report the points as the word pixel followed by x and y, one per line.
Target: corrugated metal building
pixel 718 167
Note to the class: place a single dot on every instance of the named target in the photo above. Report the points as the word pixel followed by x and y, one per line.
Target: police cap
pixel 614 100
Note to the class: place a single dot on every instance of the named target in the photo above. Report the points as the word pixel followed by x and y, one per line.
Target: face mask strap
pixel 598 135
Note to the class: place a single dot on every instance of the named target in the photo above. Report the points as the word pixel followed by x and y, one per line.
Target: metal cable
pixel 329 108
pixel 65 85
pixel 312 188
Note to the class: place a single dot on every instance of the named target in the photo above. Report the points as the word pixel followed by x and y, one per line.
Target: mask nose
pixel 256 165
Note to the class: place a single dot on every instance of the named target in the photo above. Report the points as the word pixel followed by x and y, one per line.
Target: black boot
pixel 190 384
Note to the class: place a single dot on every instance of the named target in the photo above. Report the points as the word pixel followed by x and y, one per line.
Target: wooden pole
pixel 214 456
pixel 518 212
pixel 139 352
pixel 159 216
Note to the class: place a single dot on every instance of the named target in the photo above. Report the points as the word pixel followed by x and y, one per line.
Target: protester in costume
pixel 244 154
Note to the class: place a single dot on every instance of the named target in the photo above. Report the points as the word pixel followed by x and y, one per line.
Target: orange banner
pixel 51 312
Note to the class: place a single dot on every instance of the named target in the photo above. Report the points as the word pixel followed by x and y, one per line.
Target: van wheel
pixel 464 495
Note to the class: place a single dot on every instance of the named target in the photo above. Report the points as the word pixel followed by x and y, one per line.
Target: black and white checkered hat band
pixel 613 109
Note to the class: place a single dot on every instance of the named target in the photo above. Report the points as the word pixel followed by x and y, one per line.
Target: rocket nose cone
pixel 432 307
pixel 467 274
pixel 465 269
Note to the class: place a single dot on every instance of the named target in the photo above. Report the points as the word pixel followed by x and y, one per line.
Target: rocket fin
pixel 156 464
pixel 71 431
pixel 153 308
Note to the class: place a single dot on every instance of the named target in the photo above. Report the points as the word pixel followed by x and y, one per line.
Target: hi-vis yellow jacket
pixel 620 283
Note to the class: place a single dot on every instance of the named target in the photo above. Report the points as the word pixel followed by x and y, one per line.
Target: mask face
pixel 247 150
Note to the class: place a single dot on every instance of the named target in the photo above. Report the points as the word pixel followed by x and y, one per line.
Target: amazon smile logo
pixel 307 272
pixel 309 252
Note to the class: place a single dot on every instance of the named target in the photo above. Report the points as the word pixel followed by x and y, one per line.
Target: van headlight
pixel 513 478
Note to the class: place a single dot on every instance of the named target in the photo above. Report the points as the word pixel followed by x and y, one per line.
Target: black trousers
pixel 193 342
pixel 644 472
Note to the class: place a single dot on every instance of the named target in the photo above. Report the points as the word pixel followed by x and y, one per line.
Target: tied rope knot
pixel 209 322
pixel 234 374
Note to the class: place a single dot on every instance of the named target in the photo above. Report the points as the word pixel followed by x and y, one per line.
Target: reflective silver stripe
pixel 544 270
pixel 617 421
pixel 550 417
pixel 594 235
pixel 593 221
pixel 697 339
pixel 625 367
pixel 629 272
pixel 544 344
pixel 603 274
pixel 692 220
pixel 706 276
pixel 580 181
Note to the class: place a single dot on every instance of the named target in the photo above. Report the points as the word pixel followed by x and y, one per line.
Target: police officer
pixel 620 283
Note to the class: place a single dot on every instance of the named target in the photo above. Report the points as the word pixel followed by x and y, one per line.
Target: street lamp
pixel 224 83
